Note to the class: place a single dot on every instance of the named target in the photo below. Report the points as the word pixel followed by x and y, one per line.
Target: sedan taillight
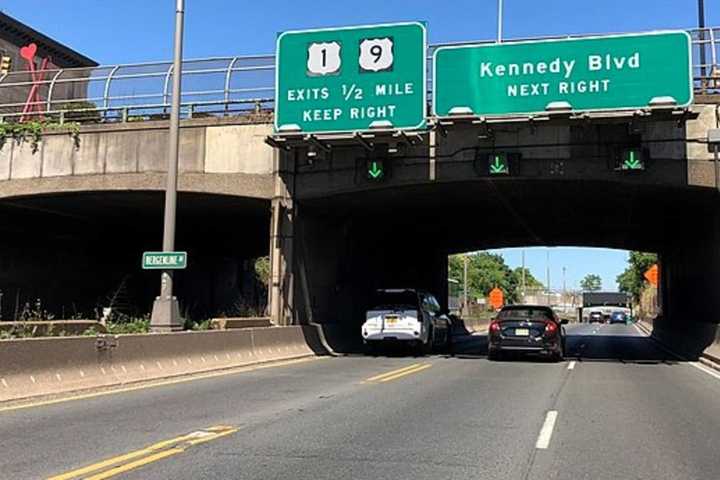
pixel 550 328
pixel 494 327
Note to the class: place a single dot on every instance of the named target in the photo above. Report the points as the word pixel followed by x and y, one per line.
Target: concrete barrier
pixel 59 365
pixel 248 322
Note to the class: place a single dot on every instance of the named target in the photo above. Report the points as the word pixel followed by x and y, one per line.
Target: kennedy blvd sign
pixel 592 74
pixel 351 79
pixel 164 260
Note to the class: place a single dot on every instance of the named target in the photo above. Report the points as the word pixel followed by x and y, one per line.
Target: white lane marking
pixel 699 366
pixel 571 365
pixel 546 431
pixel 639 330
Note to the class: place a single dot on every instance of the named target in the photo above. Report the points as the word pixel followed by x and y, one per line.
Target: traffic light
pixel 5 64
pixel 630 159
pixel 375 169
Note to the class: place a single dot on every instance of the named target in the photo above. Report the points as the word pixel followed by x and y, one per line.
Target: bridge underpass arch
pixel 73 250
pixel 348 244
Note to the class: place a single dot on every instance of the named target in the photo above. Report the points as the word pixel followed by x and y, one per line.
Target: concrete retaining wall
pixel 51 366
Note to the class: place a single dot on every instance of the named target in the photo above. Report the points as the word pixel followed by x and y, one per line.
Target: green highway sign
pixel 351 79
pixel 582 74
pixel 375 169
pixel 164 260
pixel 498 164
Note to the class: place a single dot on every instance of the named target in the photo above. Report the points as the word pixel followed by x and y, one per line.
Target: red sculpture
pixel 33 102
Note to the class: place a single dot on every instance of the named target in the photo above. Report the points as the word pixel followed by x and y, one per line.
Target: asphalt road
pixel 618 408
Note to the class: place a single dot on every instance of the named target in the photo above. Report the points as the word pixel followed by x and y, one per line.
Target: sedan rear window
pixel 394 299
pixel 526 313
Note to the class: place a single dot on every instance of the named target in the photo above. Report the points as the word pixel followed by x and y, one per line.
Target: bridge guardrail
pixel 215 86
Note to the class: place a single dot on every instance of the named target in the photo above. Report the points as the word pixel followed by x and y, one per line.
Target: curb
pixel 706 359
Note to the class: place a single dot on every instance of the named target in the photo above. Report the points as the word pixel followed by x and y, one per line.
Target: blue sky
pixel 141 30
pixel 577 261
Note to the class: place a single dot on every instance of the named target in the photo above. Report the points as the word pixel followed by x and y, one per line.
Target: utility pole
pixel 166 314
pixel 547 274
pixel 564 289
pixel 500 20
pixel 465 285
pixel 522 283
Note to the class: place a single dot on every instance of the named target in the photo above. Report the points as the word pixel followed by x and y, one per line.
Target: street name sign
pixel 615 72
pixel 351 79
pixel 164 260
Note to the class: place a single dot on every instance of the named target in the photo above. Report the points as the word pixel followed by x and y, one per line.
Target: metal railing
pixel 217 86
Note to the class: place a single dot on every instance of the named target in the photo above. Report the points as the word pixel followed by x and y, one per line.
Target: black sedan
pixel 527 328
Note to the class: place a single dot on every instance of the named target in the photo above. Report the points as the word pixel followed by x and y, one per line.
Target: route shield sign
pixel 587 74
pixel 351 79
pixel 164 260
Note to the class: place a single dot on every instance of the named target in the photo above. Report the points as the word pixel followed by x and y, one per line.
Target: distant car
pixel 596 317
pixel 406 315
pixel 618 317
pixel 527 328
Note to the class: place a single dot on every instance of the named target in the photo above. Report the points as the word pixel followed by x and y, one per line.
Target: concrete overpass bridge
pixel 75 218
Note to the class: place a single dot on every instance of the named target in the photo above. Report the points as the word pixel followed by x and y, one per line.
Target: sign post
pixel 351 79
pixel 620 72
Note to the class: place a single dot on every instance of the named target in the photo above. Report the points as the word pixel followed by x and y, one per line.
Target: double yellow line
pixel 130 461
pixel 399 373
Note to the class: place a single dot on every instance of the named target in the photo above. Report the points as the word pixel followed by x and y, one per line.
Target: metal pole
pixel 166 315
pixel 547 274
pixel 500 20
pixel 465 285
pixel 523 277
pixel 701 26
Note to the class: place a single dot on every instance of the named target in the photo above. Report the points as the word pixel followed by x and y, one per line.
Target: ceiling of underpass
pixel 484 213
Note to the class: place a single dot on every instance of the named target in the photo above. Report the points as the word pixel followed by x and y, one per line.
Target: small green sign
pixel 351 79
pixel 632 160
pixel 375 169
pixel 164 260
pixel 498 164
pixel 581 74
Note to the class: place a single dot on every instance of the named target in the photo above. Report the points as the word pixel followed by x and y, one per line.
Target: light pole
pixel 500 20
pixel 701 26
pixel 547 274
pixel 166 314
pixel 465 286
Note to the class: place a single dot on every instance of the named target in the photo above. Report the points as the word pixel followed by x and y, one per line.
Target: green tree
pixel 632 279
pixel 591 283
pixel 487 271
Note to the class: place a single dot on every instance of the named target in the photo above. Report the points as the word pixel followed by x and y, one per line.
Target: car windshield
pixel 385 299
pixel 526 313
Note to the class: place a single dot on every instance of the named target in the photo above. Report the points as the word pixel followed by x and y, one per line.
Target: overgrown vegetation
pixel 32 132
pixel 632 279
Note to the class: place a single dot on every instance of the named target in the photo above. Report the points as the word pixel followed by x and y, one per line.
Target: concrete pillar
pixel 280 290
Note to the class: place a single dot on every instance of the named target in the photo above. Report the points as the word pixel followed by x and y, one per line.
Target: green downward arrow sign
pixel 632 163
pixel 498 166
pixel 374 170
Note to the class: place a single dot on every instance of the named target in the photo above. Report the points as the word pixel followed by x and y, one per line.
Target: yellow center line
pixel 152 453
pixel 136 464
pixel 392 372
pixel 407 372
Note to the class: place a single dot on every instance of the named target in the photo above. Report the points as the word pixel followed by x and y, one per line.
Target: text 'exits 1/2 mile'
pixel 350 93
